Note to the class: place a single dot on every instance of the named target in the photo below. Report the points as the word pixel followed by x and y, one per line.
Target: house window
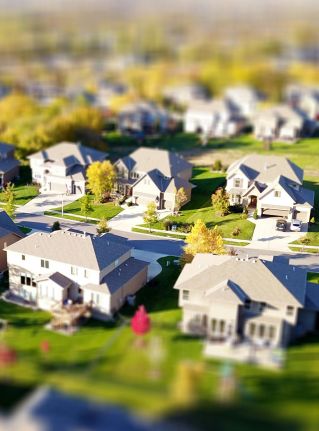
pixel 252 329
pixel 74 270
pixel 277 193
pixel 86 273
pixel 23 257
pixel 237 182
pixel 44 263
pixel 185 295
pixel 290 310
pixel 222 326
pixel 214 325
pixel 272 332
pixel 261 331
pixel 22 279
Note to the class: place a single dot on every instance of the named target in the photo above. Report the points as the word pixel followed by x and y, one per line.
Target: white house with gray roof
pixel 255 302
pixel 272 185
pixel 279 123
pixel 49 270
pixel 62 167
pixel 153 175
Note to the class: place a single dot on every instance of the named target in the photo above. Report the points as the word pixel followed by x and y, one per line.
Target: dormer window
pixel 277 193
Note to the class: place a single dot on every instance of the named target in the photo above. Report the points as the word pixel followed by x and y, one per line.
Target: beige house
pixel 152 175
pixel 253 302
pixel 270 184
pixel 62 167
pixel 50 270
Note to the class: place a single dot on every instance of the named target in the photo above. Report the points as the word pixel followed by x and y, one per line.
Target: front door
pixel 253 201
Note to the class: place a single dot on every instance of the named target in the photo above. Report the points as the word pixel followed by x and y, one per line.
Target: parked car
pixel 295 225
pixel 281 224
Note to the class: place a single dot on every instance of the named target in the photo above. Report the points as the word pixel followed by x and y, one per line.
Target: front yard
pixel 107 210
pixel 107 362
pixel 200 206
pixel 23 189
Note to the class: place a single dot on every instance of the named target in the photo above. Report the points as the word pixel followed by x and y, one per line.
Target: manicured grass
pixel 107 210
pixel 305 250
pixel 25 229
pixel 200 207
pixel 107 362
pixel 23 194
pixel 164 233
pixel 69 217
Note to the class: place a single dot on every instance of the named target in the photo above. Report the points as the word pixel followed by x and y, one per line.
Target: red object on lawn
pixel 45 346
pixel 8 356
pixel 141 323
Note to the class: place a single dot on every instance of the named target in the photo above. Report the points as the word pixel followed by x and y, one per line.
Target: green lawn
pixel 200 207
pixel 107 210
pixel 313 277
pixel 105 361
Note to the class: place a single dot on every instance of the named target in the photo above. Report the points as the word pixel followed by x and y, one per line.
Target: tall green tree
pixel 9 198
pixel 101 177
pixel 220 201
pixel 86 206
pixel 150 216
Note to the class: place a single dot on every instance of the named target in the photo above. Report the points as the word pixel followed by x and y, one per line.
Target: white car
pixel 295 225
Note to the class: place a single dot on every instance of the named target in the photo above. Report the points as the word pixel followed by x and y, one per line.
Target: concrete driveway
pixel 130 217
pixel 47 201
pixel 267 237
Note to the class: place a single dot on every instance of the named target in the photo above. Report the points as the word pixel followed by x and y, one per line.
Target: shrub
pixel 237 208
pixel 129 204
pixel 55 226
pixel 255 215
pixel 217 165
pixel 236 231
pixel 167 224
pixel 312 220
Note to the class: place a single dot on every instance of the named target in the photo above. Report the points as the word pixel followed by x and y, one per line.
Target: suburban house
pixel 9 234
pixel 106 92
pixel 247 305
pixel 244 99
pixel 270 184
pixel 184 94
pixel 62 167
pixel 214 118
pixel 279 123
pixel 9 166
pixel 51 270
pixel 143 118
pixel 304 98
pixel 153 175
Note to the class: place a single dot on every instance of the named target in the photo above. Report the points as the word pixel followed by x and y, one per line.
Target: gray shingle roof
pixel 8 226
pixel 75 249
pixel 8 164
pixel 115 279
pixel 69 154
pixel 260 280
pixel 266 169
pixel 147 159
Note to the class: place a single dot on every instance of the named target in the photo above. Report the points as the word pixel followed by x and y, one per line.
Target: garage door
pixel 274 212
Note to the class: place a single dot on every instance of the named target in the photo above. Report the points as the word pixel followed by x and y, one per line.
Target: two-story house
pixel 270 184
pixel 9 165
pixel 252 302
pixel 279 123
pixel 62 167
pixel 50 270
pixel 153 175
pixel 244 99
pixel 214 118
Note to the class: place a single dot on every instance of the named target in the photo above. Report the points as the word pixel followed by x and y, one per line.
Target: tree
pixel 102 226
pixel 9 199
pixel 185 386
pixel 220 201
pixel 204 240
pixel 55 226
pixel 101 177
pixel 180 198
pixel 150 216
pixel 86 206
